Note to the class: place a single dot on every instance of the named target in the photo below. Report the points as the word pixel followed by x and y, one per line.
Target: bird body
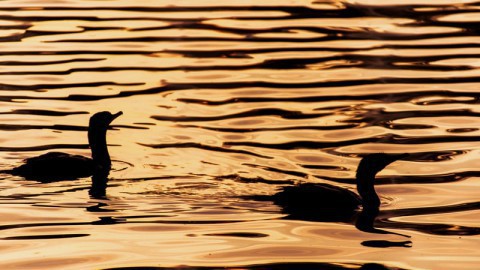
pixel 318 195
pixel 318 202
pixel 325 202
pixel 55 166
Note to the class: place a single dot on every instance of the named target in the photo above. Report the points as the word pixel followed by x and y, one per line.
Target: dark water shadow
pixel 50 236
pixel 98 208
pixel 386 243
pixel 274 266
pixel 239 234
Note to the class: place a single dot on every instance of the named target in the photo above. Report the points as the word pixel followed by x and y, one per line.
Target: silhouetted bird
pixel 324 202
pixel 55 166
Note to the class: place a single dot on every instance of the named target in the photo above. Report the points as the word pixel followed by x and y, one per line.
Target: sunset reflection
pixel 224 104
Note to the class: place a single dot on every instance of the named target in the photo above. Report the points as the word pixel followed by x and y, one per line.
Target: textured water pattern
pixel 224 100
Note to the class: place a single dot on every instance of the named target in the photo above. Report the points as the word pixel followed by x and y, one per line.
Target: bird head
pixel 101 120
pixel 372 164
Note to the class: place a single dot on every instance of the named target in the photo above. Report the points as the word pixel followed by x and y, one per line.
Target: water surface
pixel 225 100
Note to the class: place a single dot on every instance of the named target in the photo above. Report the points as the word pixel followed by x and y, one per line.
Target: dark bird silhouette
pixel 324 202
pixel 56 166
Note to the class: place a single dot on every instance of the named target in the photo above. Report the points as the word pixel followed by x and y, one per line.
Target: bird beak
pixel 117 115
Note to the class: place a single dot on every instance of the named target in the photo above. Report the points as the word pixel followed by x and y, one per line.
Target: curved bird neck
pixel 366 189
pixel 97 139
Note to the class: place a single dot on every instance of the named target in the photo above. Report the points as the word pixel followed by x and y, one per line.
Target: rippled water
pixel 225 100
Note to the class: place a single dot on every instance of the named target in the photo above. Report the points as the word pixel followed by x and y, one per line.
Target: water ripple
pixel 228 102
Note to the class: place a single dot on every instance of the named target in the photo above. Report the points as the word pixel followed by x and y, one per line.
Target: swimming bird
pixel 56 166
pixel 325 202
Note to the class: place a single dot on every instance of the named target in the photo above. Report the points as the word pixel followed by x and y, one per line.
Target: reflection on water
pixel 223 101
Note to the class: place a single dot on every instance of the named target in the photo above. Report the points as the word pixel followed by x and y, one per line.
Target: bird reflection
pixel 386 244
pixel 98 190
pixel 328 203
pixel 56 166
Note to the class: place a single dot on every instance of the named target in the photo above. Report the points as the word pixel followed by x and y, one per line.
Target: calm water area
pixel 226 100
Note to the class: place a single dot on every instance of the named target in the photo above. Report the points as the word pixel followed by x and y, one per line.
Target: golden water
pixel 227 99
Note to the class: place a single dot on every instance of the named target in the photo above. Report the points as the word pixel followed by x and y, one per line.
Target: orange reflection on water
pixel 224 101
